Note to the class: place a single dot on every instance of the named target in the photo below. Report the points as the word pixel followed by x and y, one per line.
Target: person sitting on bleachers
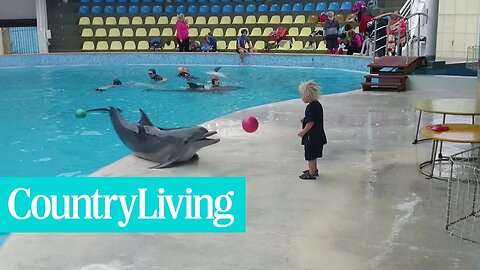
pixel 210 44
pixel 278 35
pixel 354 42
pixel 242 42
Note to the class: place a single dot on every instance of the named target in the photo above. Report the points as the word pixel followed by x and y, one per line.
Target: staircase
pixel 391 72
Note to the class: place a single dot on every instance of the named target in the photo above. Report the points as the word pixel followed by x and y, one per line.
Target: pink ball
pixel 250 124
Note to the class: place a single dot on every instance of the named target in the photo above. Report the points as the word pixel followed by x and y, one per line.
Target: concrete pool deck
pixel 370 208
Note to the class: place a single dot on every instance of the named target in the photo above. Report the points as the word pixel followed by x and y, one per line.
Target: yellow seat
pixel 213 20
pixel 154 32
pixel 306 31
pixel 174 20
pixel 237 20
pixel 111 21
pixel 263 19
pixel 287 19
pixel 188 19
pixel 167 32
pixel 88 46
pixel 87 32
pixel 127 32
pixel 150 20
pixel 297 45
pixel 141 32
pixel 293 31
pixel 204 31
pixel 226 20
pixel 319 28
pixel 285 47
pixel 232 45
pixel 312 19
pixel 259 45
pixel 231 32
pixel 143 45
pixel 102 46
pixel 250 19
pixel 340 18
pixel 221 45
pixel 137 20
pixel 218 32
pixel 275 19
pixel 124 21
pixel 84 21
pixel 116 46
pixel 114 32
pixel 300 19
pixel 97 21
pixel 256 32
pixel 169 46
pixel 129 45
pixel 193 32
pixel 201 20
pixel 162 20
pixel 101 32
pixel 267 31
pixel 322 46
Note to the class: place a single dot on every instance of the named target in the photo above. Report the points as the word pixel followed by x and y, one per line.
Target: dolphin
pixel 164 146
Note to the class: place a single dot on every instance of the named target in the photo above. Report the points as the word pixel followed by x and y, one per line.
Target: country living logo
pixel 126 204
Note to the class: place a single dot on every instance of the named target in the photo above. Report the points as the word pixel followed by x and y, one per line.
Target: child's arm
pixel 307 127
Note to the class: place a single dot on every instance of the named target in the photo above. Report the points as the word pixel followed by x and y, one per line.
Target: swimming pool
pixel 41 136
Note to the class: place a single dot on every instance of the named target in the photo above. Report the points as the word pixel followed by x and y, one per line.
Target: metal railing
pixel 473 61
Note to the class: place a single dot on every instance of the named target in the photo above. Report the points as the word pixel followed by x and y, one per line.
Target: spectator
pixel 396 34
pixel 182 33
pixel 332 28
pixel 354 42
pixel 242 42
pixel 381 36
pixel 210 44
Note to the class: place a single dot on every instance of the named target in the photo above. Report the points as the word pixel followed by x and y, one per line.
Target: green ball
pixel 80 113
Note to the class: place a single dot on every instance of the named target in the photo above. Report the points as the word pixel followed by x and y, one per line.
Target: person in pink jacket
pixel 182 33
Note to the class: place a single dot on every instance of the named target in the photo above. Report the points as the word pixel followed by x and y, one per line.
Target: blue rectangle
pixel 121 204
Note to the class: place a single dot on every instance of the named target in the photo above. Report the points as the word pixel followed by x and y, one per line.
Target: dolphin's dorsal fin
pixel 144 119
pixel 217 69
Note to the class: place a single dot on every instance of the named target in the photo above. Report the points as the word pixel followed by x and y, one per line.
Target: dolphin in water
pixel 164 146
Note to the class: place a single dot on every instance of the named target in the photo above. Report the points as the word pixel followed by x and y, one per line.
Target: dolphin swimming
pixel 164 146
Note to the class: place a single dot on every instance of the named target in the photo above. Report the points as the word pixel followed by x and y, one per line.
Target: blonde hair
pixel 309 89
pixel 350 34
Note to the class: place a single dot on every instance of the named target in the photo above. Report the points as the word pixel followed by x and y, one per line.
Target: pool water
pixel 40 135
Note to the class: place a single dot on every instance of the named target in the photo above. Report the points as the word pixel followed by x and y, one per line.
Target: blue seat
pixel 181 9
pixel 247 0
pixel 84 1
pixel 108 10
pixel 227 9
pixel 110 1
pixel 97 10
pixel 146 1
pixel 157 9
pixel 334 6
pixel 225 1
pixel 239 9
pixel 97 1
pixel 191 1
pixel 133 10
pixel 145 10
pixel 274 8
pixel 122 1
pixel 286 8
pixel 192 9
pixel 159 1
pixel 263 8
pixel 214 1
pixel 347 6
pixel 203 1
pixel 121 10
pixel 309 7
pixel 297 7
pixel 179 1
pixel 203 9
pixel 134 1
pixel 251 8
pixel 215 9
pixel 169 9
pixel 321 6
pixel 84 10
pixel 236 1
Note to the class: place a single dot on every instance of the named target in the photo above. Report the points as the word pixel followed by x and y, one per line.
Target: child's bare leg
pixel 312 167
pixel 241 56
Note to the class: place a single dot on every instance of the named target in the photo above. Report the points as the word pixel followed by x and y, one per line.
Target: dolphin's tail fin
pixel 217 69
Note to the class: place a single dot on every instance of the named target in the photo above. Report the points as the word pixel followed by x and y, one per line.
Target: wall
pixel 458 28
pixel 17 9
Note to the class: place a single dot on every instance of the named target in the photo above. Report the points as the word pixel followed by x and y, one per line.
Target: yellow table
pixel 451 106
pixel 457 133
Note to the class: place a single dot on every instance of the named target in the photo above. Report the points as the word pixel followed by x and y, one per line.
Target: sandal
pixel 316 172
pixel 307 176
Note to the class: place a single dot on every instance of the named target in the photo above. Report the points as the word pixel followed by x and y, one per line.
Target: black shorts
pixel 313 152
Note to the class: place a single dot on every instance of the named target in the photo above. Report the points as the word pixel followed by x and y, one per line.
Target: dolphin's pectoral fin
pixel 144 120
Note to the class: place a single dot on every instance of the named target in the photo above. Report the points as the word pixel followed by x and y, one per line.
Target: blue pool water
pixel 41 137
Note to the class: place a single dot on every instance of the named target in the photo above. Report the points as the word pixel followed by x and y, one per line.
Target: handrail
pixel 415 14
pixel 376 18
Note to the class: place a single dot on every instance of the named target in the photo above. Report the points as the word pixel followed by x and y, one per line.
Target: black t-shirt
pixel 316 135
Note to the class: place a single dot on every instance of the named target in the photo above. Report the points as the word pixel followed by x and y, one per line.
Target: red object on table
pixel 438 128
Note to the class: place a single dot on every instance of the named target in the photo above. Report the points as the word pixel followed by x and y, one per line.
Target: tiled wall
pixel 324 61
pixel 458 27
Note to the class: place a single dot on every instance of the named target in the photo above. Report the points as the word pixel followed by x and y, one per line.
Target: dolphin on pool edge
pixel 164 146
